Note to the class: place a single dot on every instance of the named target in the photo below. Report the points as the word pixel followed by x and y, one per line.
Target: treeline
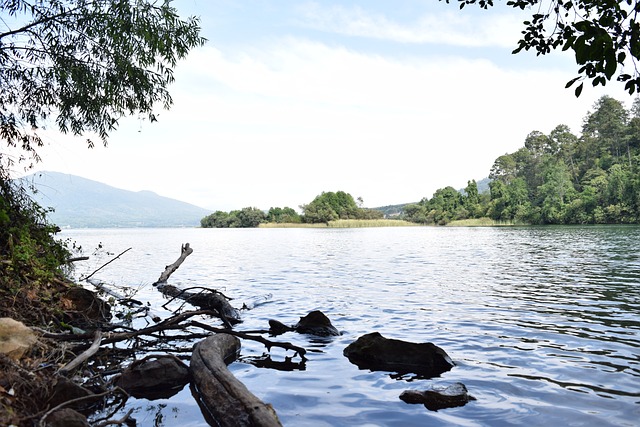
pixel 328 206
pixel 559 178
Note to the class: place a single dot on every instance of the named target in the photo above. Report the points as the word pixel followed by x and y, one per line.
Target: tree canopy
pixel 83 65
pixel 604 36
pixel 559 178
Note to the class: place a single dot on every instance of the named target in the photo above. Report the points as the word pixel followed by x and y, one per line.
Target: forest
pixel 559 178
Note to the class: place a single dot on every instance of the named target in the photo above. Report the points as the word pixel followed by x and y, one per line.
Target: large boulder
pixel 15 338
pixel 375 352
pixel 439 398
pixel 154 377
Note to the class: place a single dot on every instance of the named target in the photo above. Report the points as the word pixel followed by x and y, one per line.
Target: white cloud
pixel 274 125
pixel 440 25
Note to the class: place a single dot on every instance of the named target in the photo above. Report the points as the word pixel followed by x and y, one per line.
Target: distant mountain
pixel 83 203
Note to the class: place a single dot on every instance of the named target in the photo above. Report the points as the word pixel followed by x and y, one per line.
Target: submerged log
pixel 221 396
pixel 205 299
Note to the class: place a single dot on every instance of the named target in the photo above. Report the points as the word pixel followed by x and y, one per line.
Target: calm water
pixel 543 323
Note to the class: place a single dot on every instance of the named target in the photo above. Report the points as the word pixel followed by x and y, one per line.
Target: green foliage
pixel 330 206
pixel 245 218
pixel 86 64
pixel 604 36
pixel 558 178
pixel 283 215
pixel 29 253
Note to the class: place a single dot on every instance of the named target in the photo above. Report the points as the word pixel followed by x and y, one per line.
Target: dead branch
pixel 93 349
pixel 169 269
pixel 211 300
pixel 207 299
pixel 267 343
pixel 105 264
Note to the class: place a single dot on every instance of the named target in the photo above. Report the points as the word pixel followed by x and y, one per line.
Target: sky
pixel 387 101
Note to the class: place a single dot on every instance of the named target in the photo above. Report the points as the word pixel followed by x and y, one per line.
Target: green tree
pixel 283 215
pixel 250 217
pixel 604 36
pixel 330 206
pixel 606 130
pixel 85 64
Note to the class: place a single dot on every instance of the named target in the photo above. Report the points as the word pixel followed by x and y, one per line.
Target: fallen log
pixel 221 396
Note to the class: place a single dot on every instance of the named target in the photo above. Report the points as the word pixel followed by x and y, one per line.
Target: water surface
pixel 542 323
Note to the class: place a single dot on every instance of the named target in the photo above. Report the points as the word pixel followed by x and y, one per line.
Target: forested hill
pixel 80 202
pixel 559 178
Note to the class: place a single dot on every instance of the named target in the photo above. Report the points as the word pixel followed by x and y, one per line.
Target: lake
pixel 543 323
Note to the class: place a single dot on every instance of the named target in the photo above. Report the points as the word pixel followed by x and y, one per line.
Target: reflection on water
pixel 542 322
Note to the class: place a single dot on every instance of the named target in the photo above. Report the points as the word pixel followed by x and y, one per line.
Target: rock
pixel 314 323
pixel 83 308
pixel 375 352
pixel 154 379
pixel 15 338
pixel 278 328
pixel 450 397
pixel 65 390
pixel 66 417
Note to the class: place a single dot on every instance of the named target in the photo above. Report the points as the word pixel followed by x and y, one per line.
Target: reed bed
pixel 482 222
pixel 344 223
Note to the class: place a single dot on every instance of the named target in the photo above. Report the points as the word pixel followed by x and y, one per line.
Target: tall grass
pixel 345 223
pixel 482 222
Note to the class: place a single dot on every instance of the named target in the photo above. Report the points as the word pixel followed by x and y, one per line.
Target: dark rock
pixel 450 397
pixel 65 390
pixel 66 418
pixel 314 323
pixel 83 308
pixel 154 379
pixel 278 328
pixel 375 352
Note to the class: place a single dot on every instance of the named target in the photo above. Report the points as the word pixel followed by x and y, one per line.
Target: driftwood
pixel 206 299
pixel 226 400
pixel 93 349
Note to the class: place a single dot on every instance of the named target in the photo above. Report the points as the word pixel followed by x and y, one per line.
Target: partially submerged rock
pixel 375 352
pixel 314 323
pixel 439 398
pixel 15 338
pixel 154 377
